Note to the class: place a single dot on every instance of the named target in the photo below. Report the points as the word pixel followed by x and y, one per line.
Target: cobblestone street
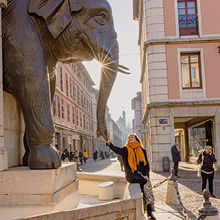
pixel 189 187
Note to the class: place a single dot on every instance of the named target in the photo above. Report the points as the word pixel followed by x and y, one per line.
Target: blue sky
pixel 126 86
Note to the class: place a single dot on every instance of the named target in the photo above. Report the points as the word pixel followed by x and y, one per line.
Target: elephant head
pixel 83 30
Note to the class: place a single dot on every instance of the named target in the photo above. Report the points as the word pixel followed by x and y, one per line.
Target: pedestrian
pixel 85 155
pixel 81 157
pixel 102 155
pixel 207 158
pixel 76 156
pixel 137 169
pixel 71 156
pixel 65 155
pixel 176 158
pixel 95 154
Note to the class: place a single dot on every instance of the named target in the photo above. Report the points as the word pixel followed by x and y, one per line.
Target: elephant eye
pixel 102 17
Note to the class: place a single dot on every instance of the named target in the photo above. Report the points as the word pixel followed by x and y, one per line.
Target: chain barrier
pixel 201 217
pixel 160 183
pixel 181 204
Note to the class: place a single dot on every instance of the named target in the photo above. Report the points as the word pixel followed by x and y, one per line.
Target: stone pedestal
pixel 3 159
pixel 25 192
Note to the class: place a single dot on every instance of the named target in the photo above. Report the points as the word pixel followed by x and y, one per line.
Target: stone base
pixel 25 192
pixel 3 160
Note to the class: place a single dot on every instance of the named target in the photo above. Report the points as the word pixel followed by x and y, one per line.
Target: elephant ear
pixel 56 13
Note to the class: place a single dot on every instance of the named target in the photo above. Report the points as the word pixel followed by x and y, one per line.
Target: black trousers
pixel 175 167
pixel 210 178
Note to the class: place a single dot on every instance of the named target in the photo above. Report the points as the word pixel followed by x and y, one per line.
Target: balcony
pixel 188 25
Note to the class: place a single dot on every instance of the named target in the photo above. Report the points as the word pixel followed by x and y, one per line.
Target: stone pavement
pixel 189 187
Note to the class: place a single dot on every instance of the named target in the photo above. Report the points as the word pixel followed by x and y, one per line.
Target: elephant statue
pixel 36 35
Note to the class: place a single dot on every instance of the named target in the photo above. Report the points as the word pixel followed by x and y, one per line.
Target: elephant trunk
pixel 108 76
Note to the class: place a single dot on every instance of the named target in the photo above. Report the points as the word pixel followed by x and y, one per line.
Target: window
pixel 67 85
pixel 77 117
pixel 63 109
pixel 77 92
pixel 87 128
pixel 84 121
pixel 80 119
pixel 61 78
pixel 187 16
pixel 58 101
pixel 74 91
pixel 54 106
pixel 191 71
pixel 73 114
pixel 68 112
pixel 71 88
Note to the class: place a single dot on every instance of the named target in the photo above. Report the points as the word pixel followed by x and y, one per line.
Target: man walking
pixel 176 158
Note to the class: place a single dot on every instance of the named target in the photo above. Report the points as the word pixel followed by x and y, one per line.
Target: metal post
pixel 207 211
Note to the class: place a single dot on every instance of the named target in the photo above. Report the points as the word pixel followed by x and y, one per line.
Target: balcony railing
pixel 188 24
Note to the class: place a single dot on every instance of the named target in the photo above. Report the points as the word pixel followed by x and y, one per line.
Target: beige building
pixel 180 62
pixel 99 143
pixel 72 108
pixel 114 133
pixel 136 105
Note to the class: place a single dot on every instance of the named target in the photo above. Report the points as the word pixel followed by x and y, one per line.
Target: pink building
pixel 72 108
pixel 180 61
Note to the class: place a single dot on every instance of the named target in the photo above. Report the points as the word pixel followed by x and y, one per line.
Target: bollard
pixel 207 211
pixel 171 197
pixel 106 191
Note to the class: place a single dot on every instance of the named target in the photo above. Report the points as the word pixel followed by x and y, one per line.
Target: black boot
pixel 150 209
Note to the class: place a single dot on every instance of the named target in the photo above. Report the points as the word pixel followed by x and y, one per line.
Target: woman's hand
pixel 108 142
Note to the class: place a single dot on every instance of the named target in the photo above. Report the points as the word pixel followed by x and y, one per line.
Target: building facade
pixel 136 105
pixel 114 133
pixel 72 108
pixel 179 49
pixel 99 143
pixel 124 127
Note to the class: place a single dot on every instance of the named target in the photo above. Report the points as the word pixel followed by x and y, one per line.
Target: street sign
pixel 162 121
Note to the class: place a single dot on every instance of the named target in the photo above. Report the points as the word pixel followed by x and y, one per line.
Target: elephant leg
pixel 52 92
pixel 35 101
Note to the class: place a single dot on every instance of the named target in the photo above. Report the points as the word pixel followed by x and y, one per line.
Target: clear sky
pixel 126 86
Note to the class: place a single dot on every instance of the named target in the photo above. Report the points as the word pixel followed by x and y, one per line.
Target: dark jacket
pixel 132 177
pixel 175 154
pixel 208 161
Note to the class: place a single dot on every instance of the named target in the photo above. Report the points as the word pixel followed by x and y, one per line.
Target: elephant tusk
pixel 120 66
pixel 123 67
pixel 122 71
